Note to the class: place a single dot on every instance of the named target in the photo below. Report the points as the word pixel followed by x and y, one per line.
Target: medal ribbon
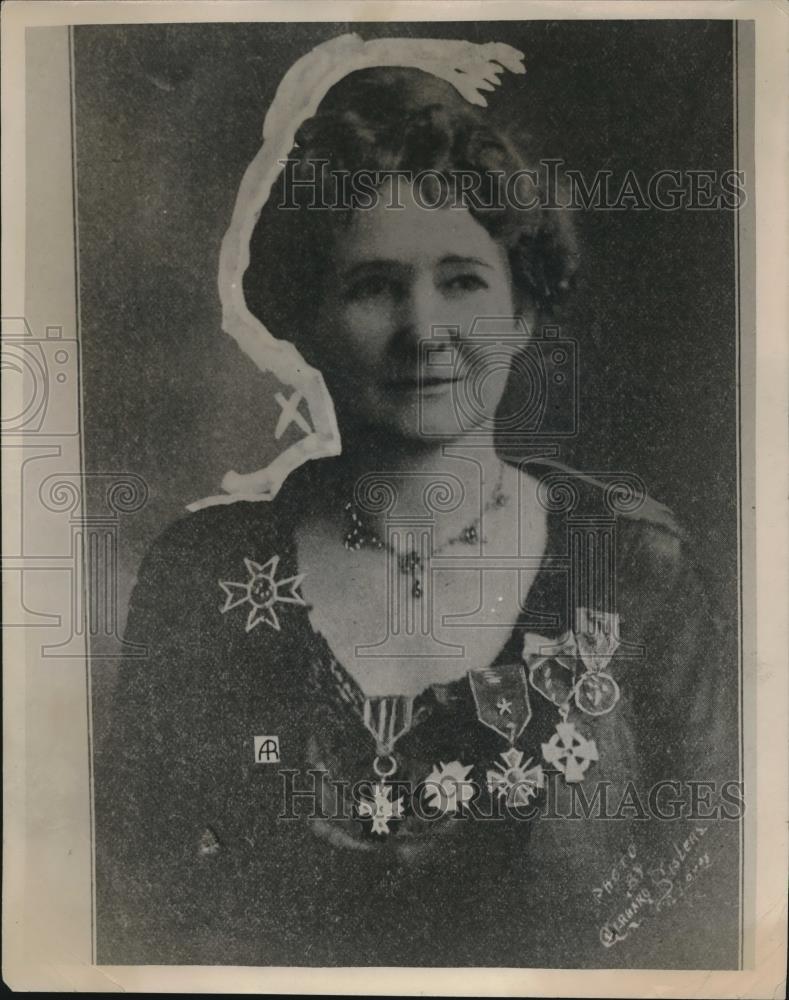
pixel 501 695
pixel 388 718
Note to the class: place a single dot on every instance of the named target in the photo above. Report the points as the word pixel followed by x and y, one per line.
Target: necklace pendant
pixel 410 562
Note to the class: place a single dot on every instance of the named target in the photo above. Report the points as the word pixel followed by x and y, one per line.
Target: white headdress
pixel 471 69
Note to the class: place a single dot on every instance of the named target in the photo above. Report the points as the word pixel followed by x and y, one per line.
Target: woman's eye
pixel 371 287
pixel 465 283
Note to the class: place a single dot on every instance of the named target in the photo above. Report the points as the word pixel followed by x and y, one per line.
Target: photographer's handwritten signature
pixel 635 889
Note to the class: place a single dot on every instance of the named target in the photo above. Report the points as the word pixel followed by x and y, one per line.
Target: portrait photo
pixel 415 495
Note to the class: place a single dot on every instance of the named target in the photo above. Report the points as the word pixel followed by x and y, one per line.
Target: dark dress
pixel 204 855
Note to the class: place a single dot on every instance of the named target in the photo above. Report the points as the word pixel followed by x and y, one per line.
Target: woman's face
pixel 413 309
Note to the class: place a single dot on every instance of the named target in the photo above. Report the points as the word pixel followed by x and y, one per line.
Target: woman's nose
pixel 418 311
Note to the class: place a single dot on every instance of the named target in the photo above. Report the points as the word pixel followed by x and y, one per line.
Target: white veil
pixel 471 69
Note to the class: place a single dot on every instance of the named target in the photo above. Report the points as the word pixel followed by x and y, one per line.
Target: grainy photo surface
pixel 453 678
pixel 414 421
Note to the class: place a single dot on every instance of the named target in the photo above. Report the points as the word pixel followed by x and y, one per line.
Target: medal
pixel 569 670
pixel 596 693
pixel 596 637
pixel 569 752
pixel 262 591
pixel 387 718
pixel 448 786
pixel 515 781
pixel 380 808
pixel 501 695
pixel 553 679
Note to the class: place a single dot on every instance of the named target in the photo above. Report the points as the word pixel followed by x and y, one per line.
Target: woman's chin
pixel 433 420
pixel 420 434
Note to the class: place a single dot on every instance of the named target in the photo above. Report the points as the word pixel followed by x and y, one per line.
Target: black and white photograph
pixel 409 486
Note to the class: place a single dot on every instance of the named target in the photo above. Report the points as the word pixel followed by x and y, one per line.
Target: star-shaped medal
pixel 514 780
pixel 381 809
pixel 448 787
pixel 262 591
pixel 569 752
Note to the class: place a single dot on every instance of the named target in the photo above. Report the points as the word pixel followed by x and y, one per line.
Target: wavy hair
pixel 384 120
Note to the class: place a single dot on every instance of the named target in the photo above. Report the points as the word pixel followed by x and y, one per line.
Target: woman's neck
pixel 450 482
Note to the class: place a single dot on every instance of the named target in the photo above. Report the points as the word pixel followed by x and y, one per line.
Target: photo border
pixel 44 931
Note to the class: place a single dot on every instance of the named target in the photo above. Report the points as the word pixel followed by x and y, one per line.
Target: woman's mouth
pixel 422 383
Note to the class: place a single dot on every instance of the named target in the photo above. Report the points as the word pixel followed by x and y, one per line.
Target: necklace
pixel 359 535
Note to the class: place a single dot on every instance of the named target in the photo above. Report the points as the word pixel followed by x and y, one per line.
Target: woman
pixel 411 710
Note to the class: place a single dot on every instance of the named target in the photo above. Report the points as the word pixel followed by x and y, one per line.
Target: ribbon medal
pixel 597 692
pixel 574 669
pixel 387 718
pixel 501 695
pixel 575 666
